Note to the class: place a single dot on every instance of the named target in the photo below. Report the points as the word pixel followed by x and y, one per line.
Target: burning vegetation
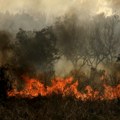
pixel 30 58
pixel 27 64
pixel 65 87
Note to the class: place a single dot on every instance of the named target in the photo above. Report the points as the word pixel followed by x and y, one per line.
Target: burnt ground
pixel 57 108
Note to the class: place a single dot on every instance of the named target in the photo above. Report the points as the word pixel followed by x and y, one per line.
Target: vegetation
pixel 58 108
pixel 34 54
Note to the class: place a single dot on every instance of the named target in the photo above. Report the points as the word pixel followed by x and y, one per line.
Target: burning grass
pixel 69 98
pixel 65 87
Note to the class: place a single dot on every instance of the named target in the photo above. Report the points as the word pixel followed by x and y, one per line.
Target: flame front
pixel 65 87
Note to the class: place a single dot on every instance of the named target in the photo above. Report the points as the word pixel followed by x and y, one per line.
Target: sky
pixel 58 7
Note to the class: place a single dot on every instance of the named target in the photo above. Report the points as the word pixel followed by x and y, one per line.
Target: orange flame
pixel 65 87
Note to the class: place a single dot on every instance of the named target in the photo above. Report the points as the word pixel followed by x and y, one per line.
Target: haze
pixel 55 7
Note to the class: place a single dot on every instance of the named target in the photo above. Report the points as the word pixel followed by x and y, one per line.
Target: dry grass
pixel 58 108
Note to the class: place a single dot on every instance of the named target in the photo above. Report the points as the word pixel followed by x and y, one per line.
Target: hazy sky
pixel 56 7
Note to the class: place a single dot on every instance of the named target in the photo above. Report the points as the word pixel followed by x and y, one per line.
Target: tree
pixel 103 43
pixel 45 43
pixel 5 47
pixel 36 50
pixel 111 37
pixel 5 84
pixel 96 48
pixel 72 39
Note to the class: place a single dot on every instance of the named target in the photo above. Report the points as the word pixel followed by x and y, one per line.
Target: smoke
pixel 82 8
pixel 5 47
pixel 35 14
pixel 34 6
pixel 51 7
pixel 63 67
pixel 114 5
pixel 12 23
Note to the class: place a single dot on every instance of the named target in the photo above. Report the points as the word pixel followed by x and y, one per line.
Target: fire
pixel 65 87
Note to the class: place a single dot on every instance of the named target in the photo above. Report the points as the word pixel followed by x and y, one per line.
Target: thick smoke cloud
pixel 83 8
pixel 12 23
pixel 35 14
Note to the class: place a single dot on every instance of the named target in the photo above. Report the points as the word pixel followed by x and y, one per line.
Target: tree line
pixel 83 43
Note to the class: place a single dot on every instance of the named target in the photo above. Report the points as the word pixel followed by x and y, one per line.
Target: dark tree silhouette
pixel 103 40
pixel 36 51
pixel 4 82
pixel 5 47
pixel 118 58
pixel 72 39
